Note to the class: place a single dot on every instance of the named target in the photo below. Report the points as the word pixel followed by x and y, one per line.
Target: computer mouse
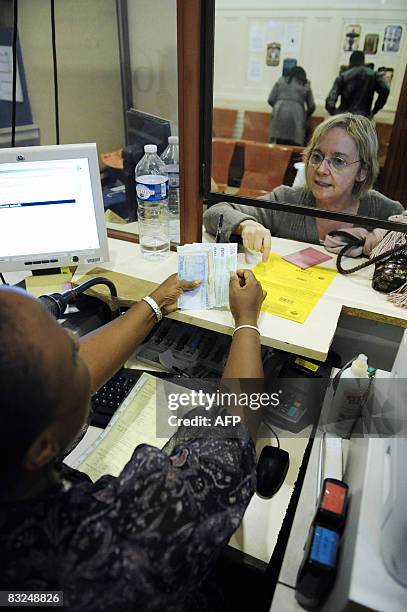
pixel 272 467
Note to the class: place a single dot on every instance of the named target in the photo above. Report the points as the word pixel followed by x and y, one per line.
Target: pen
pixel 219 228
pixel 180 372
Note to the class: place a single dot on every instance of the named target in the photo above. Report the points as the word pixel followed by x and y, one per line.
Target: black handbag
pixel 390 267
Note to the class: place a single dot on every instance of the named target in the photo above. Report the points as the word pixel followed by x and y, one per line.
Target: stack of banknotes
pixel 211 264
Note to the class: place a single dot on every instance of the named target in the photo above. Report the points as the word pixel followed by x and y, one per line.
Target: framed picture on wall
pixel 371 43
pixel 273 54
pixel 352 36
pixel 392 37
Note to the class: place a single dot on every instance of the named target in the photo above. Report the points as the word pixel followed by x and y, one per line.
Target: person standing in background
pixel 292 102
pixel 357 86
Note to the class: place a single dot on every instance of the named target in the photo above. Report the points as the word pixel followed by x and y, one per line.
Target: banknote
pixel 212 265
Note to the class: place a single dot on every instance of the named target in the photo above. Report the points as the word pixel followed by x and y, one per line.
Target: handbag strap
pixel 379 258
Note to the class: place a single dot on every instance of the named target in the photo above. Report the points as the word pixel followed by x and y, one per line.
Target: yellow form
pixel 134 423
pixel 291 291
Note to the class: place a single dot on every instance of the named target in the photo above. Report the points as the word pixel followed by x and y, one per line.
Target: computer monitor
pixel 51 207
pixel 142 129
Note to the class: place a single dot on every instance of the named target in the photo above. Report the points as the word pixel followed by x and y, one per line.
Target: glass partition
pixel 109 61
pixel 250 50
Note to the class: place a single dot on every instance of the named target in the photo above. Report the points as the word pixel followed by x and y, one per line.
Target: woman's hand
pixel 167 294
pixel 255 237
pixel 245 297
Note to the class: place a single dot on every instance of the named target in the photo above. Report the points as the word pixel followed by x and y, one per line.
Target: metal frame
pixel 124 53
pixel 210 197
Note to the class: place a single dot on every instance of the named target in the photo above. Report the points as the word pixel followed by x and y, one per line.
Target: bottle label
pixel 152 190
pixel 173 178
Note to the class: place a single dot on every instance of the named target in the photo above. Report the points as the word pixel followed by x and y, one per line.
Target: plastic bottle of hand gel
pixel 349 398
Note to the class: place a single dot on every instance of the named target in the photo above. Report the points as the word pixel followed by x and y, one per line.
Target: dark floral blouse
pixel 144 540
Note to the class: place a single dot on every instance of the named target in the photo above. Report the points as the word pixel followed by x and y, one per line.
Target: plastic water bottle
pixel 344 405
pixel 170 157
pixel 152 205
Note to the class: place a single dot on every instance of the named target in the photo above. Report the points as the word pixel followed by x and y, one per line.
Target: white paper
pixel 257 38
pixel 6 76
pixel 255 69
pixel 275 31
pixel 292 38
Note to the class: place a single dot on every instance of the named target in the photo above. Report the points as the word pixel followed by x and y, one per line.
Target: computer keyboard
pixel 106 401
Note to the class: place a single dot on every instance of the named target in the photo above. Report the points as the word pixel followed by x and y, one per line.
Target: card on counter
pixel 307 257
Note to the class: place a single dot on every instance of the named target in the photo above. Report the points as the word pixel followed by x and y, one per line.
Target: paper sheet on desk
pixel 291 291
pixel 48 283
pixel 133 424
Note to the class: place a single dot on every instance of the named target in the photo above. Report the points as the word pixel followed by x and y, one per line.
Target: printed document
pixel 291 291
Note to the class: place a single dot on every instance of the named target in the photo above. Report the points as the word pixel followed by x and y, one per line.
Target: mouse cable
pixel 274 434
pixel 55 65
pixel 3 280
pixel 14 85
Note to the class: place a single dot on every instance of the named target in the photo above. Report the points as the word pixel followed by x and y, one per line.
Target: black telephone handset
pixel 300 384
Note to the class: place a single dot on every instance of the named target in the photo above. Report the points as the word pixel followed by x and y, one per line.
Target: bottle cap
pixel 359 366
pixel 150 148
pixel 172 139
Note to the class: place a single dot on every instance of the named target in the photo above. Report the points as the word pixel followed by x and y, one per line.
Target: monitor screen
pixel 51 207
pixel 146 129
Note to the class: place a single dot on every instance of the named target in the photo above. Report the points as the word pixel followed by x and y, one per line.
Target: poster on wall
pixel 256 38
pixel 275 30
pixel 387 73
pixel 255 70
pixel 6 76
pixel 392 37
pixel 273 54
pixel 371 43
pixel 352 35
pixel 292 38
pixel 288 63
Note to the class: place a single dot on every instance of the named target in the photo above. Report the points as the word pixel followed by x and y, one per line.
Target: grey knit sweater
pixel 287 225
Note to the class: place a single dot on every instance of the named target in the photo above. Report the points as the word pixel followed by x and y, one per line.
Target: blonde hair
pixel 363 132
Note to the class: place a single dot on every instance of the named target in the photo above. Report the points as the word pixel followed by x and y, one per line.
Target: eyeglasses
pixel 337 164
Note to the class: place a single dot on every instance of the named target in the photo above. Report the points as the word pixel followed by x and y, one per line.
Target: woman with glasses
pixel 341 167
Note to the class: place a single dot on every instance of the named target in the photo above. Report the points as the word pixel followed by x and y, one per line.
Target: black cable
pixel 3 280
pixel 274 433
pixel 14 93
pixel 55 65
pixel 56 303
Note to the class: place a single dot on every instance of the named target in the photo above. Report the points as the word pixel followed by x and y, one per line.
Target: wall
pixel 88 70
pixel 321 26
pixel 90 100
pixel 153 53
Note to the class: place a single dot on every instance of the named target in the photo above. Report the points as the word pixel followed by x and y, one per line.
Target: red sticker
pixel 334 498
